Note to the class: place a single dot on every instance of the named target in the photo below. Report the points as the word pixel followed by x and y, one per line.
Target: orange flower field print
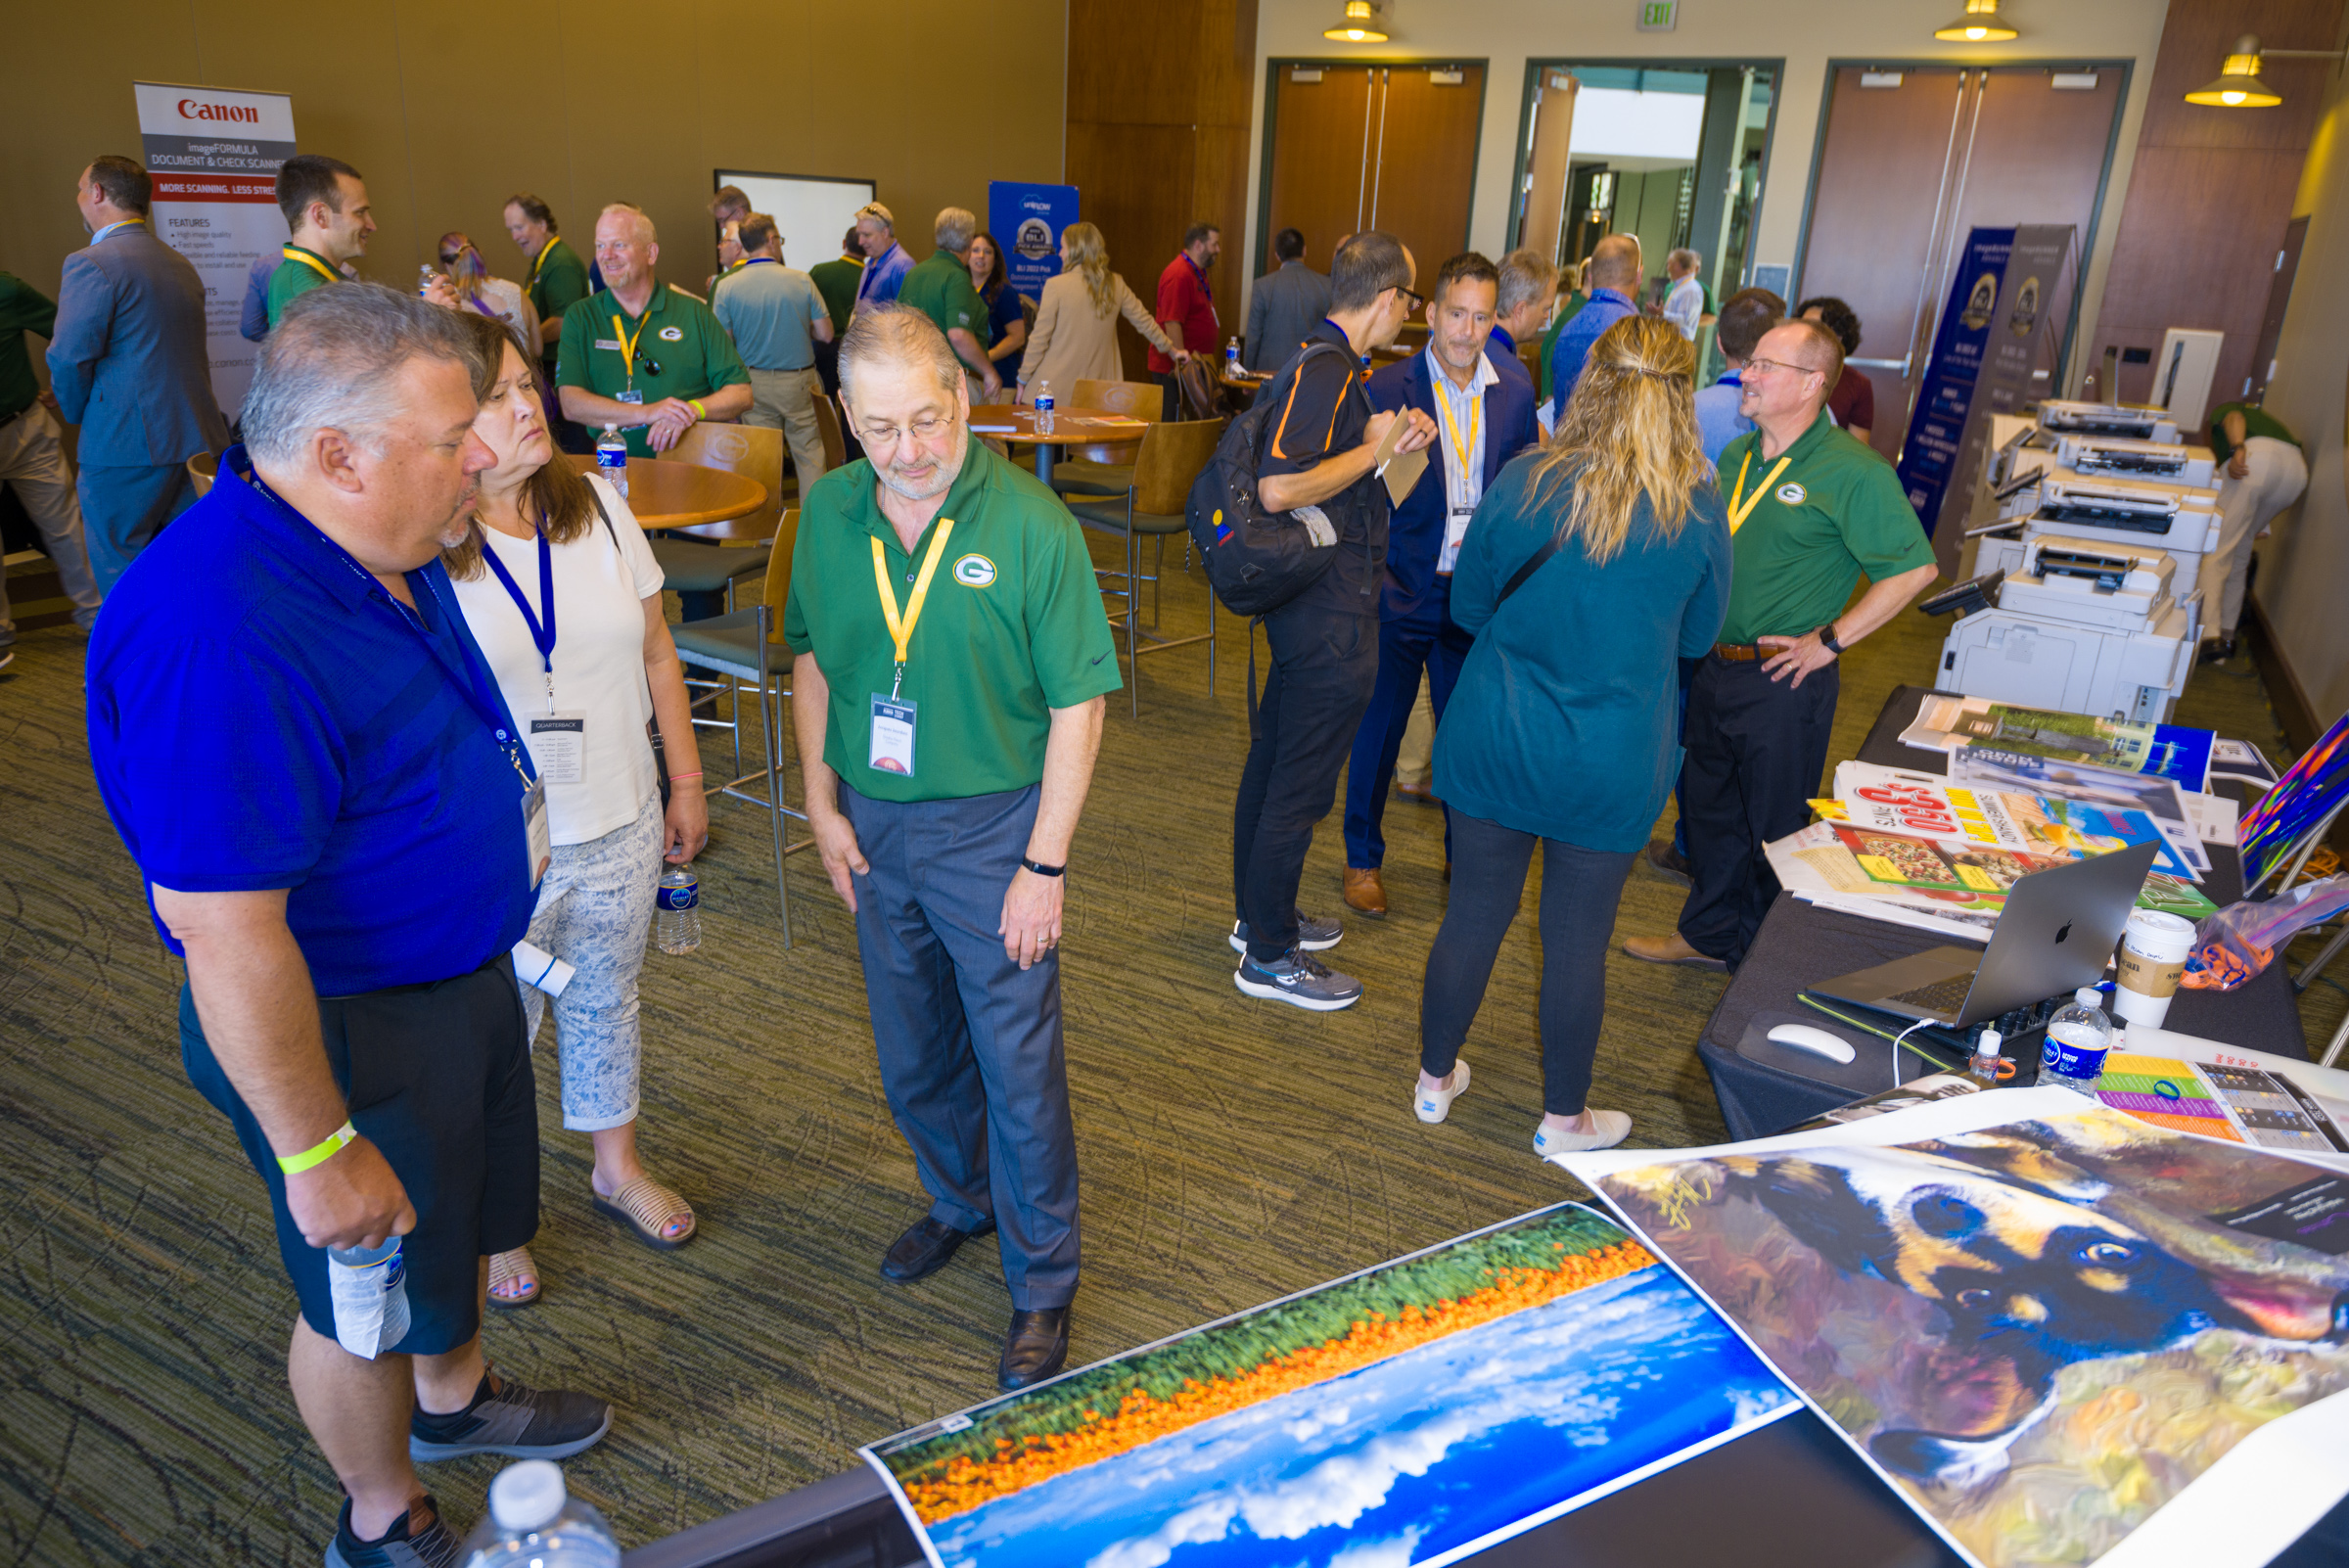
pixel 1413 1414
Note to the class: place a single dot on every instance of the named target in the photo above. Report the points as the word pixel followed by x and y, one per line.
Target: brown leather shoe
pixel 1671 949
pixel 1423 793
pixel 1667 864
pixel 1365 893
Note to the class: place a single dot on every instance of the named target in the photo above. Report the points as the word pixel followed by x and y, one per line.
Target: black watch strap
pixel 1826 636
pixel 1041 869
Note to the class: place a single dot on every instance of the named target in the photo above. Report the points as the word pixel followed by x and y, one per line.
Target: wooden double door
pixel 1916 157
pixel 1356 147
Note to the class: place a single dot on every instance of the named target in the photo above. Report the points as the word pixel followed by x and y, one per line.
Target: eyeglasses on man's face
pixel 1771 367
pixel 886 438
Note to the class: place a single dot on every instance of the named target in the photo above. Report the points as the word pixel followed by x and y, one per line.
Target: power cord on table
pixel 1900 1039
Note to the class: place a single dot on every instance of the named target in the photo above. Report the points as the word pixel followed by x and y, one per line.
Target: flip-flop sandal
pixel 645 1207
pixel 505 1267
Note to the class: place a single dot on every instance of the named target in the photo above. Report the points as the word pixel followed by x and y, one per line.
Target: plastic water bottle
pixel 369 1288
pixel 534 1522
pixel 1231 359
pixel 2078 1037
pixel 611 459
pixel 1043 408
pixel 677 918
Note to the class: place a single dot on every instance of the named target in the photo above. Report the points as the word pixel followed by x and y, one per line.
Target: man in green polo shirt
pixel 1812 511
pixel 2263 470
pixel 325 203
pixel 836 279
pixel 642 356
pixel 558 277
pixel 949 714
pixel 941 289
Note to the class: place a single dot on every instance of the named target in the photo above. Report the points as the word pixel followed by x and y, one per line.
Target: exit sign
pixel 1659 16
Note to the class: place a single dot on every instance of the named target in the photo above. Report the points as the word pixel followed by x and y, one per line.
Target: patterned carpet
pixel 1232 1150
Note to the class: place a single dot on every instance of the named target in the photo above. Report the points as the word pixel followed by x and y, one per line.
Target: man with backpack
pixel 1314 473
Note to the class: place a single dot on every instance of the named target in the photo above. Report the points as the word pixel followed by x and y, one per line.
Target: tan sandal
pixel 505 1267
pixel 646 1207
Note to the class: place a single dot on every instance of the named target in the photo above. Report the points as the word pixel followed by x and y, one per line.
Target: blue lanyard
pixel 542 636
pixel 1341 332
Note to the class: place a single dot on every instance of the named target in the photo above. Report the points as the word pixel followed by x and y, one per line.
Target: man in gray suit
pixel 1285 305
pixel 130 366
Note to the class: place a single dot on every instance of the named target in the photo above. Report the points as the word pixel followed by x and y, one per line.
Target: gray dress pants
pixel 969 1042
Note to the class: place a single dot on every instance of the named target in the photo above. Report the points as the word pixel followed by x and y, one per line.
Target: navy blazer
pixel 129 362
pixel 1415 537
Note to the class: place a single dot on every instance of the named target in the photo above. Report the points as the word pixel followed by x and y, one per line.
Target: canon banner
pixel 213 153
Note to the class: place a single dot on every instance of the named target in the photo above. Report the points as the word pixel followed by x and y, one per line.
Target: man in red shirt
pixel 1185 306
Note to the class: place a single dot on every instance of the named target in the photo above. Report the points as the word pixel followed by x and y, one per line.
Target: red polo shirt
pixel 1183 298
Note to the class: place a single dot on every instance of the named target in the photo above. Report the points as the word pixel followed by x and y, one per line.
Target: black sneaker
pixel 436 1547
pixel 1314 933
pixel 515 1420
pixel 1298 979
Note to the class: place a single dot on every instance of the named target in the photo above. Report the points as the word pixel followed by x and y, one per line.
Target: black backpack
pixel 1257 561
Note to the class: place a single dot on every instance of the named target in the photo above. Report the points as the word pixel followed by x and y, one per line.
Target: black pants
pixel 1580 890
pixel 1324 664
pixel 1170 402
pixel 1756 747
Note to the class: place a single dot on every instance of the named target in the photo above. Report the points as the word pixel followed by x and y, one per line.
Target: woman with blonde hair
pixel 1076 332
pixel 1594 565
pixel 502 301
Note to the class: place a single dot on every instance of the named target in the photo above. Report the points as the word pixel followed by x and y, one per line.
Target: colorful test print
pixel 2242 1104
pixel 1413 1414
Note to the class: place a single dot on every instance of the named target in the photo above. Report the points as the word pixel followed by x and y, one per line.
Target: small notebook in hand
pixel 1399 470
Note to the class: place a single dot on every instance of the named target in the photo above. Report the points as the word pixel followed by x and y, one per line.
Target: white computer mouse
pixel 1817 1042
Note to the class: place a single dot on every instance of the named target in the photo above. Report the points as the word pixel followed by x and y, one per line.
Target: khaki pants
pixel 785 400
pixel 34 461
pixel 1416 763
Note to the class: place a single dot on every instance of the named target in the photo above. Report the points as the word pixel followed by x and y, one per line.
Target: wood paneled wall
pixel 2212 189
pixel 1158 138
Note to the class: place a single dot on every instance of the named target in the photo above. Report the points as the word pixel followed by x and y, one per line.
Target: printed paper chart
pixel 2242 1104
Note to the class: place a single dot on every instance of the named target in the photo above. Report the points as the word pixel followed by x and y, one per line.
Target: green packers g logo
pixel 1793 494
pixel 974 572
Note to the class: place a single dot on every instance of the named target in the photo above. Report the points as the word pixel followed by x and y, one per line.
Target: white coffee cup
pixel 2151 959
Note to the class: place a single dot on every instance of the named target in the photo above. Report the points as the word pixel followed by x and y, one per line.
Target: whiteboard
pixel 814 211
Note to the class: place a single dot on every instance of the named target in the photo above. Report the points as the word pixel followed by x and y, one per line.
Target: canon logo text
pixel 190 109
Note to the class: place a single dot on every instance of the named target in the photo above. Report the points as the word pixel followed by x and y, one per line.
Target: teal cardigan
pixel 1564 722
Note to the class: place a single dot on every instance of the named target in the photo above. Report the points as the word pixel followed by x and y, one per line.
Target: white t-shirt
pixel 1685 307
pixel 599 659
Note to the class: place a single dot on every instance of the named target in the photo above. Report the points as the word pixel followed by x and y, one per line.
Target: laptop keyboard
pixel 1942 996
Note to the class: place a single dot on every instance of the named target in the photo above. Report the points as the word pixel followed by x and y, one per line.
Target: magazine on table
pixel 1950 873
pixel 2172 751
pixel 1987 768
pixel 1906 802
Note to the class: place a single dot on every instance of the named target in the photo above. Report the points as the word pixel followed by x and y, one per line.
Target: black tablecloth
pixel 1799 946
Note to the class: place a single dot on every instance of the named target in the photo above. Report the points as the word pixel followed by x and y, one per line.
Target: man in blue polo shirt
pixel 1614 275
pixel 309 758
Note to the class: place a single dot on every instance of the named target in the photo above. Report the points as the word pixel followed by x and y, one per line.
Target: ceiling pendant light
pixel 1979 25
pixel 1359 27
pixel 2239 85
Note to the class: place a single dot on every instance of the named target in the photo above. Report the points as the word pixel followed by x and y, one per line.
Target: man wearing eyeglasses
pixel 641 355
pixel 950 658
pixel 1812 511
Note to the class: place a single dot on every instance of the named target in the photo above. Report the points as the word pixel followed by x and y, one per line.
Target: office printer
pixel 2123 457
pixel 2060 417
pixel 2172 517
pixel 2122 587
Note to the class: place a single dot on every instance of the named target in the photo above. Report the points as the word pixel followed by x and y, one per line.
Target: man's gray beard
pixel 948 472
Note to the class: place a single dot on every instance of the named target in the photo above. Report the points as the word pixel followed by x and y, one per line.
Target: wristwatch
pixel 1826 636
pixel 1041 869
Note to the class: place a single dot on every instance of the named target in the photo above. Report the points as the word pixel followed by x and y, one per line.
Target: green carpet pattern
pixel 1232 1150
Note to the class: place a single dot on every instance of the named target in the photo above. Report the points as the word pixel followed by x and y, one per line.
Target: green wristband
pixel 318 1153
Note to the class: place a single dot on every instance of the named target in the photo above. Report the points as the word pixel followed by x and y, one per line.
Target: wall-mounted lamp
pixel 2239 85
pixel 1359 27
pixel 1979 25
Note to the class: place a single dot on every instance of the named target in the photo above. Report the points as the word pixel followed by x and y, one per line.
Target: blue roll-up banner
pixel 1028 219
pixel 1929 455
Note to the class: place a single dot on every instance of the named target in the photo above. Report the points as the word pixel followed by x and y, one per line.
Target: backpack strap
pixel 607 516
pixel 1533 564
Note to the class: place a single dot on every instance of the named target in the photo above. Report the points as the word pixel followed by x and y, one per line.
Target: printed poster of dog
pixel 2050 1325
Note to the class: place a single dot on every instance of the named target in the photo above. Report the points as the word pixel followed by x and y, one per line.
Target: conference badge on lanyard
pixel 558 738
pixel 628 359
pixel 893 717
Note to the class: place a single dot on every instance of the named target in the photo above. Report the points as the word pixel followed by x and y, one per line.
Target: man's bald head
pixel 1615 264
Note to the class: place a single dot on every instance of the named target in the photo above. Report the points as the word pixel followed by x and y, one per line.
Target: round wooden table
pixel 682 495
pixel 1071 427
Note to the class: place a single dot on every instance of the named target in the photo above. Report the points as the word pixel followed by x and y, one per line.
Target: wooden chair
pixel 746 647
pixel 827 423
pixel 1135 399
pixel 202 469
pixel 1170 458
pixel 751 450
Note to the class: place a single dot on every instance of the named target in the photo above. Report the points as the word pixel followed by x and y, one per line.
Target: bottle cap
pixel 526 1496
pixel 2089 996
pixel 1987 1044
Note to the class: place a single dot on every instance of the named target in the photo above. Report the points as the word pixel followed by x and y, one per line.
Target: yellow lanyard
pixel 294 253
pixel 1739 507
pixel 548 248
pixel 901 629
pixel 628 345
pixel 1451 426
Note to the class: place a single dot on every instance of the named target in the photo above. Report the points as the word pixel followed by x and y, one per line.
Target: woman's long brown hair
pixel 1629 430
pixel 557 493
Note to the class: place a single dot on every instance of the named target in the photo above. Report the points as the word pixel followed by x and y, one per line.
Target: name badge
pixel 1455 529
pixel 612 343
pixel 631 395
pixel 535 827
pixel 559 745
pixel 892 736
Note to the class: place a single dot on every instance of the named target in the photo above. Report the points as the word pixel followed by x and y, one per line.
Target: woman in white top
pixel 1076 332
pixel 564 597
pixel 494 297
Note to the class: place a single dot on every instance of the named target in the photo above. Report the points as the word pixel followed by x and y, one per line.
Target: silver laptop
pixel 2055 935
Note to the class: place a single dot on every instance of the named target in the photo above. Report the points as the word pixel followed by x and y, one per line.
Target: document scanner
pixel 2122 457
pixel 2061 417
pixel 2091 583
pixel 2172 517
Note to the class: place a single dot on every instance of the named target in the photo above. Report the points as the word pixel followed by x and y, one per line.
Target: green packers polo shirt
pixel 1811 530
pixel 2257 420
pixel 296 275
pixel 558 280
pixel 939 288
pixel 1012 628
pixel 22 308
pixel 677 347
